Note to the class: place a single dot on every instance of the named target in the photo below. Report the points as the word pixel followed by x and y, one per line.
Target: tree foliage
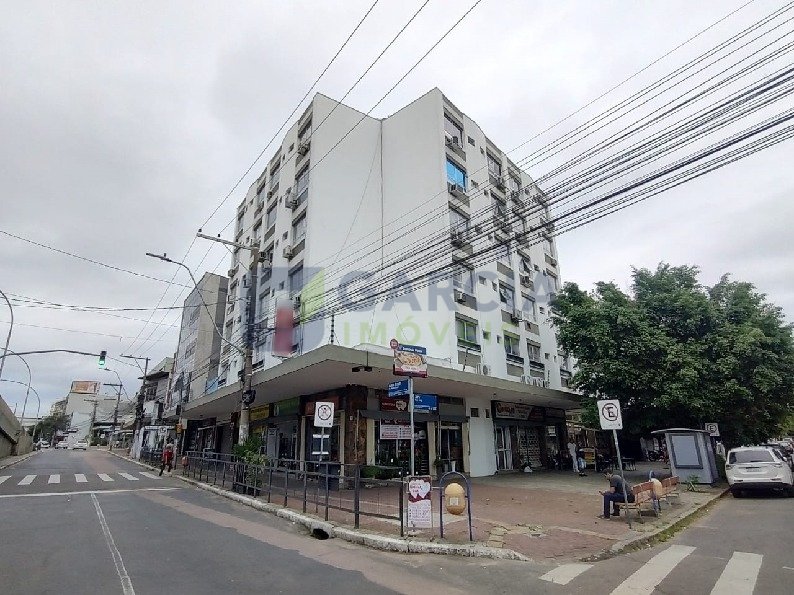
pixel 49 424
pixel 678 354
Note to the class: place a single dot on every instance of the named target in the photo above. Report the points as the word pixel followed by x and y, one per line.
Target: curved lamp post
pixel 35 392
pixel 8 337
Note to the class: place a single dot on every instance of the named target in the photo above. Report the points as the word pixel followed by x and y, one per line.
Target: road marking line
pixel 653 571
pixel 27 480
pixel 104 477
pixel 788 568
pixel 119 491
pixel 739 575
pixel 149 474
pixel 562 575
pixel 80 478
pixel 54 478
pixel 128 476
pixel 4 477
pixel 126 583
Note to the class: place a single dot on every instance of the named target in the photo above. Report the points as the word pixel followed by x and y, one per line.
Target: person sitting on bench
pixel 614 494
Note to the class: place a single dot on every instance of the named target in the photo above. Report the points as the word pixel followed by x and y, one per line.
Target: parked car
pixel 80 445
pixel 44 444
pixel 756 468
pixel 63 444
pixel 781 452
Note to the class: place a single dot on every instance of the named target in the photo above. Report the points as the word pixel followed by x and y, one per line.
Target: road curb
pixel 647 538
pixel 372 540
pixel 24 458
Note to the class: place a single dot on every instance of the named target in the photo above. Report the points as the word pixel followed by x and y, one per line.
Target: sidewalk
pixel 542 516
pixel 13 460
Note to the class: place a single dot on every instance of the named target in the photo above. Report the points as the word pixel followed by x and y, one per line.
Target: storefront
pixel 278 424
pixel 527 435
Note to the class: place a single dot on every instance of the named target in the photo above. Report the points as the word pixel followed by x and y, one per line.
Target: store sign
pixel 409 360
pixel 390 430
pixel 423 402
pixel 259 413
pixel 420 504
pixel 551 430
pixel 286 407
pixel 522 411
pixel 389 404
pixel 398 389
pixel 85 387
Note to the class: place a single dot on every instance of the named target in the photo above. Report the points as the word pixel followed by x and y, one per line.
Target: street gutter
pixel 372 540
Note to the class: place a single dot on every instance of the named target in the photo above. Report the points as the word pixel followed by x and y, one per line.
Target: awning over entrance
pixel 330 367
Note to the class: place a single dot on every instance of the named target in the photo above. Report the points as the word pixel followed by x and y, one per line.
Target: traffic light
pixel 102 356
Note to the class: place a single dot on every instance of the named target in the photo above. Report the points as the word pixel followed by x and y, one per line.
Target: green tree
pixel 677 353
pixel 46 428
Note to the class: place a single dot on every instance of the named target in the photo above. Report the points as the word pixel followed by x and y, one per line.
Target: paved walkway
pixel 8 461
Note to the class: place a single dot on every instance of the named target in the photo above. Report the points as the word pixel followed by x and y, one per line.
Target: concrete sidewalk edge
pixel 372 540
pixel 24 457
pixel 641 539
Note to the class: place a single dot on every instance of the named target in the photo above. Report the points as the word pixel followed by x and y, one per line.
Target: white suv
pixel 757 468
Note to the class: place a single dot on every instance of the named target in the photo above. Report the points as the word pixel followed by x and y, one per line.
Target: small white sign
pixel 713 429
pixel 609 414
pixel 323 414
pixel 420 504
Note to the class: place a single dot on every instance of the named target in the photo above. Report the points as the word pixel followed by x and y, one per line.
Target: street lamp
pixel 8 336
pixel 35 392
pixel 27 392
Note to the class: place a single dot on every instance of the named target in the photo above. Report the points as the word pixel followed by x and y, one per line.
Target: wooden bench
pixel 643 495
pixel 669 489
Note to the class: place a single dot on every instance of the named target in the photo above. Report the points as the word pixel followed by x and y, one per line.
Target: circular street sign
pixel 394 344
pixel 610 412
pixel 324 412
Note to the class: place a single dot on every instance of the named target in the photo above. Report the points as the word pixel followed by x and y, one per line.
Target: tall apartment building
pixel 419 227
pixel 199 349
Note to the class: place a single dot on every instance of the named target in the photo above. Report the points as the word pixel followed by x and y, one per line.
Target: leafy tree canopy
pixel 679 354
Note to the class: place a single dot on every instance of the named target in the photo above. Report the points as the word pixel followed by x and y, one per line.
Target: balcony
pixel 515 359
pixel 454 144
pixel 468 345
pixel 535 364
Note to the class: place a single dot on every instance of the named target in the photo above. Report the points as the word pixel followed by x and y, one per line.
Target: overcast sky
pixel 124 124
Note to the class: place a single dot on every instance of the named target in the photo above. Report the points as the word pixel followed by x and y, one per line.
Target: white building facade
pixel 416 227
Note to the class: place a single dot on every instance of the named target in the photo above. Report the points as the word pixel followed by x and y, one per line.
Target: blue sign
pixel 398 389
pixel 424 402
pixel 413 349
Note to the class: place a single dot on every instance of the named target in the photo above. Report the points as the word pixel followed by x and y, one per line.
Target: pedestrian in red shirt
pixel 168 456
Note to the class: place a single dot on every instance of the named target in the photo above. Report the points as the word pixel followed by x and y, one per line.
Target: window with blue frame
pixel 455 173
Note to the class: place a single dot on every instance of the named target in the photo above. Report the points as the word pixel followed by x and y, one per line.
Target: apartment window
pixel 455 173
pixel 270 218
pixel 528 307
pixel 466 331
pixel 525 265
pixel 553 285
pixel 240 217
pixel 305 131
pixel 296 281
pixel 513 183
pixel 302 182
pixel 453 129
pixel 299 230
pixel 194 314
pixel 463 279
pixel 507 295
pixel 274 174
pixel 547 246
pixel 471 141
pixel 511 345
pixel 533 351
pixel 494 165
pixel 257 232
pixel 500 210
pixel 458 221
pixel 503 255
pixel 565 382
pixel 264 306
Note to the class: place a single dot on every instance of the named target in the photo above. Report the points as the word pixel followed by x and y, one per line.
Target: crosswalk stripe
pixel 27 480
pixel 54 478
pixel 739 575
pixel 80 478
pixel 104 477
pixel 4 477
pixel 149 474
pixel 128 476
pixel 645 580
pixel 562 575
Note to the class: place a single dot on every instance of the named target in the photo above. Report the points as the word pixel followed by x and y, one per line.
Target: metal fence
pixel 350 493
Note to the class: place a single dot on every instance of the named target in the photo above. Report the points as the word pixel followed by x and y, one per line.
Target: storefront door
pixel 504 455
pixel 451 446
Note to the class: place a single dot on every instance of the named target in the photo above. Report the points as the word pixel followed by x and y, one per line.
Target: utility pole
pixel 115 414
pixel 141 397
pixel 93 418
pixel 246 388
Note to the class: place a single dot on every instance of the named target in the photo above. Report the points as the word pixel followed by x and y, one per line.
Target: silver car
pixel 757 468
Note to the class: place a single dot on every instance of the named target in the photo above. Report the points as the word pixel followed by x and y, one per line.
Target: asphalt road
pixel 88 522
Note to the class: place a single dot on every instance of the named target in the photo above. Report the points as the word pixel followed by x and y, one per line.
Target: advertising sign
pixel 409 360
pixel 388 404
pixel 85 387
pixel 505 410
pixel 398 389
pixel 420 506
pixel 423 402
pixel 392 430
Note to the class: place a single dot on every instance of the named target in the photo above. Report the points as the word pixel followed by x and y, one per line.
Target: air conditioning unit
pixel 458 238
pixel 500 183
pixel 296 303
pixel 290 202
pixel 484 369
pixel 303 147
pixel 460 297
pixel 453 141
pixel 287 252
pixel 526 280
pixel 516 315
pixel 270 194
pixel 456 189
pixel 526 379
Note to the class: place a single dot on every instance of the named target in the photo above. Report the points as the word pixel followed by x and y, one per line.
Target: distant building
pixel 58 407
pixel 87 409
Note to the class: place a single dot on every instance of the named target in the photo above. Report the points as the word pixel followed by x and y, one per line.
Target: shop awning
pixel 418 416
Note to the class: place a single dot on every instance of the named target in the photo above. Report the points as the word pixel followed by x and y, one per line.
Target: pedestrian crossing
pixel 61 478
pixel 738 576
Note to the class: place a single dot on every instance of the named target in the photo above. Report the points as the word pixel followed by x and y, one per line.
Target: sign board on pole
pixel 713 429
pixel 609 414
pixel 410 360
pixel 324 414
pixel 420 507
pixel 398 389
